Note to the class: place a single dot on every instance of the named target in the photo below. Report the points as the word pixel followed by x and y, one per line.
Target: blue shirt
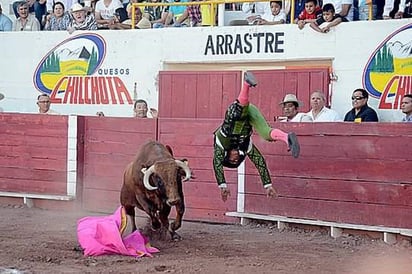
pixel 178 10
pixel 5 23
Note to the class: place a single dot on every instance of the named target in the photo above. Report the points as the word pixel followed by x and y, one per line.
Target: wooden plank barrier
pixel 33 157
pixel 356 175
pixel 349 175
pixel 109 145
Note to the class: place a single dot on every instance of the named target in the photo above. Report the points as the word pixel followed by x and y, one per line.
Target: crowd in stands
pixel 360 112
pixel 33 15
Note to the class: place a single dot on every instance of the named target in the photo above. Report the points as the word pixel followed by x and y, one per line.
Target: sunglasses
pixel 357 98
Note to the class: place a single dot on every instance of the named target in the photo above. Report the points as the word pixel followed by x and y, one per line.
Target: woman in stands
pixel 59 19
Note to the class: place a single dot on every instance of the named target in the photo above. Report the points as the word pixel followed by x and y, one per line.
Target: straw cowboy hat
pixel 144 23
pixel 77 7
pixel 291 98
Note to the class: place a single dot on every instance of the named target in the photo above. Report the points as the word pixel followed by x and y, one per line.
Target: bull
pixel 153 183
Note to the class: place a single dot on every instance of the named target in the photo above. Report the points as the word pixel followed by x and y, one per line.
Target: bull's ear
pixel 169 149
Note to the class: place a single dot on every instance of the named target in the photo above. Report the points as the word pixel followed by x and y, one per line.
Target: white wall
pixel 145 52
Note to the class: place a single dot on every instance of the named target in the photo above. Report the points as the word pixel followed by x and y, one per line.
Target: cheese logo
pixel 68 74
pixel 388 73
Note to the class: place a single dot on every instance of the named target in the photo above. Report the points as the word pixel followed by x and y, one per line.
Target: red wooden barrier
pixel 350 173
pixel 109 145
pixel 33 153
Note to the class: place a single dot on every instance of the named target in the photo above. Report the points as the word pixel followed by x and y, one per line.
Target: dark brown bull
pixel 153 183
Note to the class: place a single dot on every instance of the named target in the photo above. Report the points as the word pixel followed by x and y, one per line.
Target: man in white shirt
pixel 320 113
pixel 43 102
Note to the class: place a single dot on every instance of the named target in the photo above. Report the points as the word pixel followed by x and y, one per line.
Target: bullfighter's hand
pixel 224 192
pixel 271 192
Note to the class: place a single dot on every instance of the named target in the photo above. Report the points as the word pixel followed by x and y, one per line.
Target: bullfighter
pixel 232 140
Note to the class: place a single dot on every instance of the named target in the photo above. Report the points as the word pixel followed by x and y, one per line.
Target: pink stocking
pixel 278 135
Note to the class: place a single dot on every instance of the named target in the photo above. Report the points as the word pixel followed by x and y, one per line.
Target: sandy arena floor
pixel 44 241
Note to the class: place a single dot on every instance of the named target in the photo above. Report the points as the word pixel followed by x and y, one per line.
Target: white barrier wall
pixel 105 71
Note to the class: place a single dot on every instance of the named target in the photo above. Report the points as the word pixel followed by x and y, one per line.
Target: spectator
pixel 43 101
pixel 140 109
pixel 379 9
pixel 361 11
pixel 81 21
pixel 290 106
pixel 361 112
pixel 157 15
pixel 344 8
pixel 176 16
pixel 319 112
pixel 59 19
pixel 109 13
pixel 328 20
pixel 1 98
pixel 129 8
pixel 299 8
pixel 197 15
pixel 255 8
pixel 36 6
pixel 100 113
pixel 5 23
pixel 232 141
pixel 140 21
pixel 393 9
pixel 253 11
pixel 311 12
pixel 276 15
pixel 192 14
pixel 26 21
pixel 406 107
pixel 67 4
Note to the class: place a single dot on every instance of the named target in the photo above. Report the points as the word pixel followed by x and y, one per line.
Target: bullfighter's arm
pixel 256 157
pixel 218 157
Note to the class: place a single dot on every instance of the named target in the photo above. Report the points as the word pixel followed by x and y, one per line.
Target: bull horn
pixel 185 168
pixel 147 172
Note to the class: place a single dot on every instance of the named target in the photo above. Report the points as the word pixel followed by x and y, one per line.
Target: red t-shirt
pixel 305 15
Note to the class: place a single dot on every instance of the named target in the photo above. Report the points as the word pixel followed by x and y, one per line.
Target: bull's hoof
pixel 175 237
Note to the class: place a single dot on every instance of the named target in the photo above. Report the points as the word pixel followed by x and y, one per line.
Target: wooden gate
pixel 206 94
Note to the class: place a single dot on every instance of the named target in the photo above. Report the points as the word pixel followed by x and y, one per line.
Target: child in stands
pixel 311 12
pixel 328 16
pixel 276 15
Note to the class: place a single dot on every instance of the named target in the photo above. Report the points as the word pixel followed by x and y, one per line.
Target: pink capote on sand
pixel 103 236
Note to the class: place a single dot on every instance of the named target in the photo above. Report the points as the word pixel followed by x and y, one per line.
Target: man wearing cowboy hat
pixel 290 106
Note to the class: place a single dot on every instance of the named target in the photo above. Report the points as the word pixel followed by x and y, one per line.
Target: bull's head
pixel 169 173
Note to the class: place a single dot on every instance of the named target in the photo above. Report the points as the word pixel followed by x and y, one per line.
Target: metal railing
pixel 218 5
